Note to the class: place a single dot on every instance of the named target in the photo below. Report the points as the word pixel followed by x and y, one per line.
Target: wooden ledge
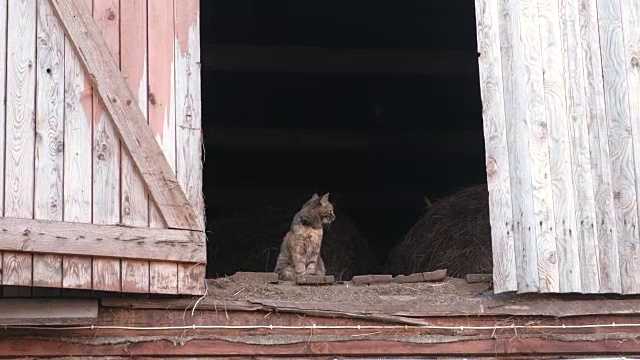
pixel 67 238
pixel 50 312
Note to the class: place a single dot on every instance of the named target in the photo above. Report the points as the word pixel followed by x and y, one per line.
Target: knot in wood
pixel 635 62
pixel 492 166
pixel 26 232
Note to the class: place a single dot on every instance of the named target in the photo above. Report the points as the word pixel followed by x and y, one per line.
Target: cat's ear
pixel 315 196
pixel 325 198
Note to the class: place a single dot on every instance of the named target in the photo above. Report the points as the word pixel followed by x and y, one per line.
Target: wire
pixel 322 327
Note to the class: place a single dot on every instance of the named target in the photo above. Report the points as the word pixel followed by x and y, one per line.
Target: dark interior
pixel 379 141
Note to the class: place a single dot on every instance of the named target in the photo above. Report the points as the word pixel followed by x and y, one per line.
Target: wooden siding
pixel 560 81
pixel 65 160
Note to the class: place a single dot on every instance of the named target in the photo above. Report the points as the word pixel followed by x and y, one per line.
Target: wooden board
pixel 48 312
pixel 563 223
pixel 585 232
pixel 3 79
pixel 605 225
pixel 106 153
pixel 49 159
pixel 101 240
pixel 128 120
pixel 189 126
pixel 134 199
pixel 497 159
pixel 20 130
pixel 524 227
pixel 616 95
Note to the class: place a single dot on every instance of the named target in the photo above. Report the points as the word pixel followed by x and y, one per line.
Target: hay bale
pixel 249 240
pixel 453 234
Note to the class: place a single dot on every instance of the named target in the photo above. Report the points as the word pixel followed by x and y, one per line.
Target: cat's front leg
pixel 297 257
pixel 311 268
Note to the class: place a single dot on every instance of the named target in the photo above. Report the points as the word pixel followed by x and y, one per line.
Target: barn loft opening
pixel 375 101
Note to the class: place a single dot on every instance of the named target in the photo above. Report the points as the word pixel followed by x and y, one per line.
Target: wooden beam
pixel 53 237
pixel 236 138
pixel 291 59
pixel 48 312
pixel 129 121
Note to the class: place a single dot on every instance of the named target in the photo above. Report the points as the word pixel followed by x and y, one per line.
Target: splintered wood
pixel 81 157
pixel 559 83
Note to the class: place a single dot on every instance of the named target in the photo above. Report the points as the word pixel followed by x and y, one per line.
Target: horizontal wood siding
pixel 560 81
pixel 65 161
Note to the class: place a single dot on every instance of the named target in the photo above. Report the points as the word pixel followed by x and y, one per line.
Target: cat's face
pixel 323 207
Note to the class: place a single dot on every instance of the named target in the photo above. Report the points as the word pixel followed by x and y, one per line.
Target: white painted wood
pixel 616 93
pixel 3 97
pixel 554 59
pixel 497 159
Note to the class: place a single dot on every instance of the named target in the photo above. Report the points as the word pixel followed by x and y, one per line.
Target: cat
pixel 300 248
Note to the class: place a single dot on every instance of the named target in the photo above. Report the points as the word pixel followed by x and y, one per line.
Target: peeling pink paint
pixel 133 28
pixel 189 18
pixel 161 49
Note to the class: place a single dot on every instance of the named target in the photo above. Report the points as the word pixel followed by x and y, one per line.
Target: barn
pixel 511 121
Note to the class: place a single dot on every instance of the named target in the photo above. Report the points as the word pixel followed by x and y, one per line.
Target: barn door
pixel 91 196
pixel 560 86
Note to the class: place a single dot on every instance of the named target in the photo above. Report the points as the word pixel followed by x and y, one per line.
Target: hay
pixel 249 240
pixel 453 234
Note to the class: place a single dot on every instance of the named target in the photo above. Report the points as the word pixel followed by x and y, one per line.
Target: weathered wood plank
pixel 585 232
pixel 78 154
pixel 134 199
pixel 106 153
pixel 16 268
pixel 164 278
pixel 559 141
pixel 49 161
pixel 128 119
pixel 538 151
pixel 76 272
pixel 135 276
pixel 3 93
pixel 191 279
pixel 616 92
pixel 101 240
pixel 630 11
pixel 605 225
pixel 497 158
pixel 189 127
pixel 513 68
pixel 20 130
pixel 49 312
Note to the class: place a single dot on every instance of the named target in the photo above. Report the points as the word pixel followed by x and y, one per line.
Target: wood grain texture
pixel 191 279
pixel 20 129
pixel 497 158
pixel 135 276
pixel 164 277
pixel 3 79
pixel 133 64
pixel 128 119
pixel 616 94
pixel 55 237
pixel 49 161
pixel 513 69
pixel 48 312
pixel 76 272
pixel 106 152
pixel 563 202
pixel 538 134
pixel 575 82
pixel 189 127
pixel 630 11
pixel 605 226
pixel 134 199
